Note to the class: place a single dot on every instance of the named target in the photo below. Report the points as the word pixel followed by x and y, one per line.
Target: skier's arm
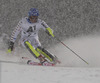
pixel 15 32
pixel 48 30
pixel 14 36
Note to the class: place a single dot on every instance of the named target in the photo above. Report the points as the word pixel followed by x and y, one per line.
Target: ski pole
pixel 71 50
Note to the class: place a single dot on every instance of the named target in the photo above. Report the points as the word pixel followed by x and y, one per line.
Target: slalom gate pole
pixel 71 50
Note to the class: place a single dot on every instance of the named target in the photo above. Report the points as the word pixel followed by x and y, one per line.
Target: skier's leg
pixel 34 52
pixel 31 49
pixel 49 56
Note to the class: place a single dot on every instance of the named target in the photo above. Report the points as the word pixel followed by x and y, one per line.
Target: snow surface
pixel 71 70
pixel 12 73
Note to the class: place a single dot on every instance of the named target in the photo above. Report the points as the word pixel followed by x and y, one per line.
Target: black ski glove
pixel 11 45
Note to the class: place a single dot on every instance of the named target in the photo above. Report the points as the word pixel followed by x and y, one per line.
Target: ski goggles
pixel 33 17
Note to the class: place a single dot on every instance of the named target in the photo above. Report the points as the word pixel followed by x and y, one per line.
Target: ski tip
pixel 25 58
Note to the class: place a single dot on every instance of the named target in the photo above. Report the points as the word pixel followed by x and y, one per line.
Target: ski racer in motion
pixel 29 27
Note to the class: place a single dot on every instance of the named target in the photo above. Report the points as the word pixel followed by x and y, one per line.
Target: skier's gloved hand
pixel 49 31
pixel 11 46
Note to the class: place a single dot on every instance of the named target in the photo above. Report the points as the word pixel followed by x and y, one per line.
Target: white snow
pixel 12 73
pixel 71 70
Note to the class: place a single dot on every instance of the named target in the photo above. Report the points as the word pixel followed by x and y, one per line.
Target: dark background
pixel 68 18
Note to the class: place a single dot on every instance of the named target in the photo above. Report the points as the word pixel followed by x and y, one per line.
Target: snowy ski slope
pixel 71 70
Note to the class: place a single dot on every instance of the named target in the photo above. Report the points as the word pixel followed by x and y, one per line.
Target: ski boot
pixel 44 62
pixel 56 60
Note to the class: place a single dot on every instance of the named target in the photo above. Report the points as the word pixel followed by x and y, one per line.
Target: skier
pixel 29 27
